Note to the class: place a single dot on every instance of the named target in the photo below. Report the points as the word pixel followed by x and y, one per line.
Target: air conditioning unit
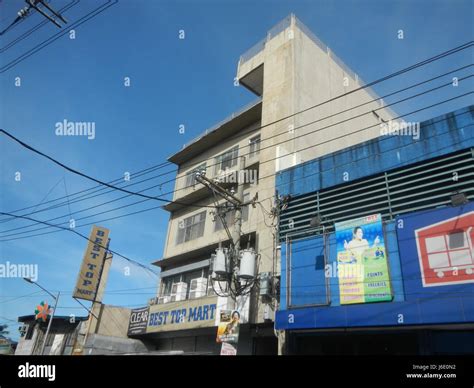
pixel 178 291
pixel 198 288
pixel 164 299
pixel 153 301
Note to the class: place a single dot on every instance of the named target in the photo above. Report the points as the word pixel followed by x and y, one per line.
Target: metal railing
pixel 222 122
pixel 274 31
pixel 253 51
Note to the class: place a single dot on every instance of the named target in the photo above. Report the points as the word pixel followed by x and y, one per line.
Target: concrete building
pixel 416 292
pixel 61 338
pixel 290 70
pixel 80 335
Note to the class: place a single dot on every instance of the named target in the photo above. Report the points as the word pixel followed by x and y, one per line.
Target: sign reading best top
pixel 189 314
pixel 91 268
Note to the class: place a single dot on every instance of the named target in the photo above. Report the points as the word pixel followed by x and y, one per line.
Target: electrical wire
pixel 99 187
pixel 159 207
pixel 457 97
pixel 449 52
pixel 88 198
pixel 101 8
pixel 436 88
pixel 30 148
pixel 267 160
pixel 86 238
pixel 35 28
pixel 362 129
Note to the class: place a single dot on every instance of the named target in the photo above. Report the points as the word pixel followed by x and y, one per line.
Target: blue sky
pixel 173 81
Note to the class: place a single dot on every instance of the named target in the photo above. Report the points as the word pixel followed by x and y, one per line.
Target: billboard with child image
pixel 362 261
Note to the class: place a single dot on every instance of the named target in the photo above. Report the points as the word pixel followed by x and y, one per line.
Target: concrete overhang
pixel 183 258
pixel 221 132
pixel 193 197
pixel 62 318
pixel 253 80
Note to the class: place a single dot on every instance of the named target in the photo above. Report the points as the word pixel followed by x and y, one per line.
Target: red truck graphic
pixel 446 251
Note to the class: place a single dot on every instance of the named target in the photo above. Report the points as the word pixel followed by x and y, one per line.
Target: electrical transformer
pixel 220 262
pixel 247 264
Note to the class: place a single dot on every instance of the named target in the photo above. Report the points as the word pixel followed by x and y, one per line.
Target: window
pixel 245 209
pixel 189 276
pixel 185 277
pixel 227 160
pixel 168 283
pixel 254 145
pixel 230 215
pixel 30 331
pixel 191 228
pixel 191 175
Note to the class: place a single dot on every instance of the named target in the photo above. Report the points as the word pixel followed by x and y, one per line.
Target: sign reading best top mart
pixel 189 314
pixel 92 263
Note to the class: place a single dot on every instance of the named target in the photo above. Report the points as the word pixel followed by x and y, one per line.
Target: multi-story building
pixel 292 73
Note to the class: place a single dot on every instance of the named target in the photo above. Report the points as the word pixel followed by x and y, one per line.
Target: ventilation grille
pixel 425 185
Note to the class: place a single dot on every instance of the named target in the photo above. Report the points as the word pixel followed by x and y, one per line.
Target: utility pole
pixel 237 232
pixel 37 5
pixel 236 198
pixel 95 310
pixel 56 298
pixel 234 273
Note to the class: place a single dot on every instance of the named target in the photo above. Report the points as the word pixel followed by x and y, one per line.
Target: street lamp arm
pixel 44 289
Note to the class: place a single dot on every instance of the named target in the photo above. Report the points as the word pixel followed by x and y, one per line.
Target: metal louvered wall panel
pixel 424 185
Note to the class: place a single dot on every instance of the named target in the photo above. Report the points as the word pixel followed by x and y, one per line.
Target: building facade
pixel 405 219
pixel 61 337
pixel 290 71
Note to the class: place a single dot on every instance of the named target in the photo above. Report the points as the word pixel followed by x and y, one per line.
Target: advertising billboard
pixel 138 321
pixel 228 349
pixel 362 261
pixel 228 327
pixel 92 263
